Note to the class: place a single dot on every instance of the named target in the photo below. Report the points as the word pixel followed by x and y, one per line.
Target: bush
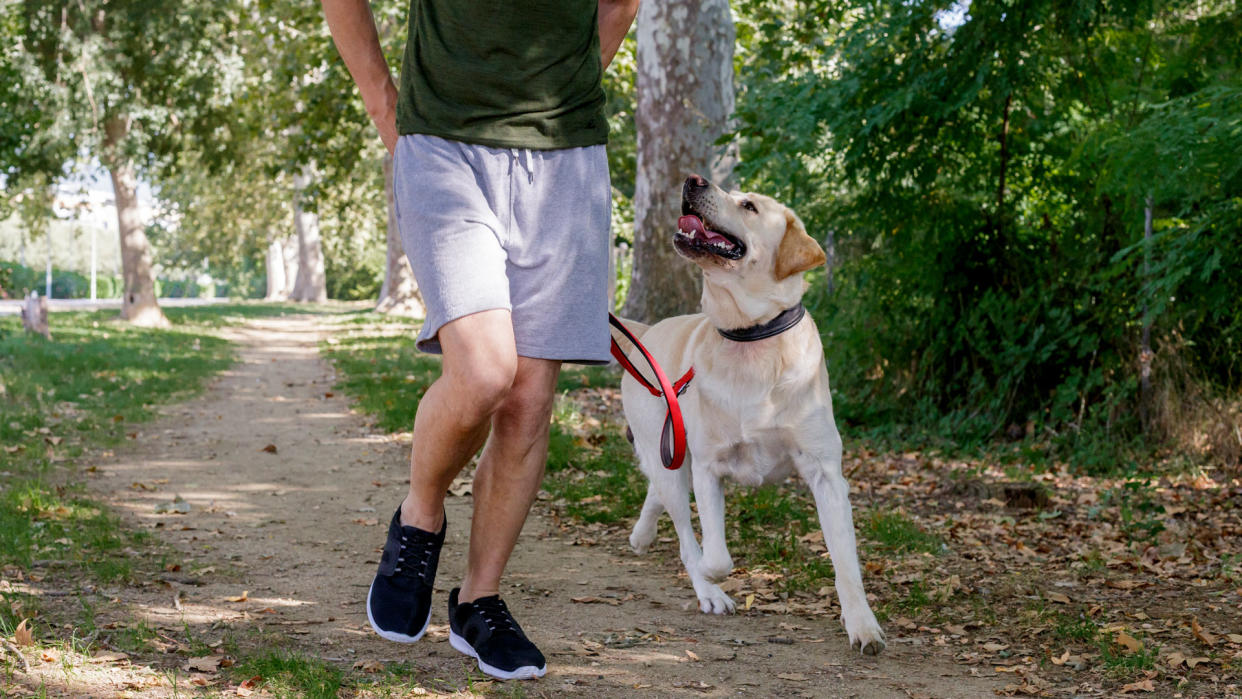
pixel 18 280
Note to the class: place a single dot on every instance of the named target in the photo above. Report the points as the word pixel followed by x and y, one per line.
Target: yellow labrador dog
pixel 758 407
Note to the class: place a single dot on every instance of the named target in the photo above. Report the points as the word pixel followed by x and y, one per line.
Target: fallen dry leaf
pixel 22 635
pixel 594 600
pixel 1130 643
pixel 792 676
pixel 271 449
pixel 246 688
pixel 371 666
pixel 244 596
pixel 692 655
pixel 1059 598
pixel 367 521
pixel 1206 638
pixel 1140 686
pixel 50 655
pixel 105 656
pixel 995 647
pixel 206 663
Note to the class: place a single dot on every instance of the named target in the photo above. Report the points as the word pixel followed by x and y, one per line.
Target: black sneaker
pixel 484 629
pixel 399 601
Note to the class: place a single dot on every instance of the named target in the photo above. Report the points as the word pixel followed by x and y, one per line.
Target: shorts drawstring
pixel 525 158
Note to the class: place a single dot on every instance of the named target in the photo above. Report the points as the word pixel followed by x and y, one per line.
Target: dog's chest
pixel 753 443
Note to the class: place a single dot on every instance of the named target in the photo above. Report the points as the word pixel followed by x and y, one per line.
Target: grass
pixel 63 398
pixel 62 402
pixel 897 533
pixel 290 674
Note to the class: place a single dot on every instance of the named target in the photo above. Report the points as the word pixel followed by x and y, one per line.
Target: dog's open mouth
pixel 693 235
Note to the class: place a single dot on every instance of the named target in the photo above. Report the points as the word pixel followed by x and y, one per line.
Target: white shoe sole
pixel 393 635
pixel 526 672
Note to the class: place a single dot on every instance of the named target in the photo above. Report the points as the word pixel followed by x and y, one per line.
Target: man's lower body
pixel 510 248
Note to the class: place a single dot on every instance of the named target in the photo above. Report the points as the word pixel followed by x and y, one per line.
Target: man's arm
pixel 615 18
pixel 353 29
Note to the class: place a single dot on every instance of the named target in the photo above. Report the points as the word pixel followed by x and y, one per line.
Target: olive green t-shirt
pixel 504 73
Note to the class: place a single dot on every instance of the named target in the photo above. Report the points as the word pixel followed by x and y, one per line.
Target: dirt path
pixel 299 530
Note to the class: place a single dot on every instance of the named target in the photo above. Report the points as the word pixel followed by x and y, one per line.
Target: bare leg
pixel 480 362
pixel 509 474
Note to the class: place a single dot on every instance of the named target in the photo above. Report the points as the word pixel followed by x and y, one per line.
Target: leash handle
pixel 673 436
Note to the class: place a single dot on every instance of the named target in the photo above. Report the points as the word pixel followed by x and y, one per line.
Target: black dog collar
pixel 782 322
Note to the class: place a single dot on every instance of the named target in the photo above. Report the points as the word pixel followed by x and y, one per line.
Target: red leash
pixel 673 437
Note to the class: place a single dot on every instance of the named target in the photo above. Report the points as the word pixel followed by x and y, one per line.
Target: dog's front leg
pixel 716 563
pixel 835 517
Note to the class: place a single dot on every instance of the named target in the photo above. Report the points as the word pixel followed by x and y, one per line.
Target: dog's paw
pixel 640 540
pixel 713 600
pixel 715 568
pixel 865 633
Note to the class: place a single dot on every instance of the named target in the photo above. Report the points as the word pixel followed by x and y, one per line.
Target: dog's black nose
pixel 695 182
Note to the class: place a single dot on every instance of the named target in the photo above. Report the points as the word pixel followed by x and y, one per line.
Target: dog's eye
pixel 746 204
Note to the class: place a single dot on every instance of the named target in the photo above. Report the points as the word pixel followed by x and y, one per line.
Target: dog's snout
pixel 694 182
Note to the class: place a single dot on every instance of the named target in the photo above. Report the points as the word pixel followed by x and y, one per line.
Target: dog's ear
pixel 798 251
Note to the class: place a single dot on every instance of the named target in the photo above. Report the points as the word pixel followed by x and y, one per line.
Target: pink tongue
pixel 694 225
pixel 691 224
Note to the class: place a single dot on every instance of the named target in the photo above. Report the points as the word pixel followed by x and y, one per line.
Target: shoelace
pixel 418 554
pixel 495 614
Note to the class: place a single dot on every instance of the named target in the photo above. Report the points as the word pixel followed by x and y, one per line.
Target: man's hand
pixel 615 18
pixel 353 29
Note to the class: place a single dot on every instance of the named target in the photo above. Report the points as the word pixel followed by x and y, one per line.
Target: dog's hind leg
pixel 645 529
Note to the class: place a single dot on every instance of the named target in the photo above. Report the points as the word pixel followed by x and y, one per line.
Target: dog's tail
pixel 636 328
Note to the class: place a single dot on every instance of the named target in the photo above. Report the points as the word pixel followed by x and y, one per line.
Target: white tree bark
pixel 289 247
pixel 399 294
pixel 685 97
pixel 311 283
pixel 138 304
pixel 277 286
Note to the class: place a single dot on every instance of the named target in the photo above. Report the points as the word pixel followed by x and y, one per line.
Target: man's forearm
pixel 353 29
pixel 615 18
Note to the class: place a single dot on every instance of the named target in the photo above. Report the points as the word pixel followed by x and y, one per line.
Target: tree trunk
pixel 685 97
pixel 138 304
pixel 311 284
pixel 277 286
pixel 289 249
pixel 1145 354
pixel 400 294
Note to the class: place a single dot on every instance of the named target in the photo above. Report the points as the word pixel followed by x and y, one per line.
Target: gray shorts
pixel 523 230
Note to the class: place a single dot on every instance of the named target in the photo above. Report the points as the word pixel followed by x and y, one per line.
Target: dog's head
pixel 750 245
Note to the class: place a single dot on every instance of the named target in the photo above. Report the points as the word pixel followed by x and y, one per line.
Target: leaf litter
pixel 1064 581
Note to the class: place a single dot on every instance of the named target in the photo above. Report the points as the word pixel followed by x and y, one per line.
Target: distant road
pixel 13 307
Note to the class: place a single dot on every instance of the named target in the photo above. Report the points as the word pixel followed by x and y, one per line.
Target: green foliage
pixel 17 281
pixel 985 182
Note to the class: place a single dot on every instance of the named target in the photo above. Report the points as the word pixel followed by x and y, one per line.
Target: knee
pixel 484 387
pixel 528 401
